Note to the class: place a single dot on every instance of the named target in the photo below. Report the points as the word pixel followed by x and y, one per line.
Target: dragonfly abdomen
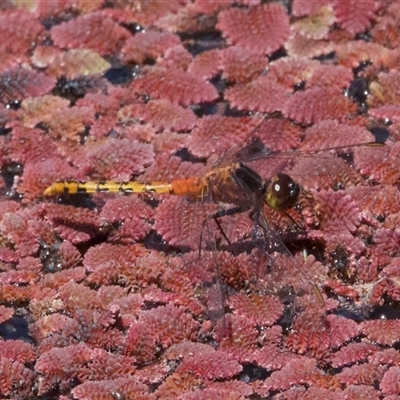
pixel 178 187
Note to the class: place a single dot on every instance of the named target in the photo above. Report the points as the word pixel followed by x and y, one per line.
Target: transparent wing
pixel 277 138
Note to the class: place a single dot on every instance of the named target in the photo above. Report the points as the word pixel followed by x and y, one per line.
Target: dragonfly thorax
pixel 282 192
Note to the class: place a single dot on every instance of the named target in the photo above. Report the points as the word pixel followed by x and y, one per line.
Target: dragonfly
pixel 237 180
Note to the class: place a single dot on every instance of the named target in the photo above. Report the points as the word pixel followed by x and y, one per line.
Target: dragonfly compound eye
pixel 282 192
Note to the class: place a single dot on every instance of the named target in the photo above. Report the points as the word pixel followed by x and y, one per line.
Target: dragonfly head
pixel 282 192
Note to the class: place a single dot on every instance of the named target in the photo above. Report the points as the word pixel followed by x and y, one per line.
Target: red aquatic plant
pixel 354 15
pixel 148 45
pixel 76 62
pixel 111 297
pixel 180 87
pixel 92 32
pixel 161 114
pixel 269 27
pixel 19 40
pixel 18 83
pixel 251 96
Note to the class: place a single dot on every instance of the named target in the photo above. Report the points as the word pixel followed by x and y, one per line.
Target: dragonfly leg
pixel 215 216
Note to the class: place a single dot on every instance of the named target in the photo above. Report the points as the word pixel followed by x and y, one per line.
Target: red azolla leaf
pixel 57 8
pixel 15 227
pixel 103 126
pixel 180 222
pixel 51 325
pixel 331 133
pixel 386 332
pixel 124 387
pixel 58 279
pixel 179 87
pixel 16 380
pixel 289 72
pixel 111 263
pixel 306 7
pixel 367 374
pixel 358 392
pixel 108 294
pixel 6 313
pixel 339 212
pixel 163 326
pixel 211 366
pixel 40 109
pixel 104 365
pixel 12 293
pixel 387 240
pixel 385 31
pixel 206 64
pixel 211 6
pixel 225 131
pixel 70 123
pixel 73 235
pixel 59 365
pixel 230 387
pixel 212 393
pixel 296 372
pixel 31 145
pixel 18 350
pixel 148 44
pixel 264 28
pixel 390 383
pixel 354 15
pixel 272 357
pixel 187 349
pixel 316 104
pixel 187 19
pixel 385 90
pixel 352 353
pixel 19 31
pixel 379 163
pixel 237 334
pixel 102 103
pixel 117 159
pixel 63 214
pixel 308 334
pixel 299 46
pixel 241 65
pixel 129 307
pixel 335 174
pixel 8 255
pixel 262 310
pixel 18 83
pixel 134 228
pixel 140 342
pixel 315 26
pixel 262 94
pixel 93 32
pixel 330 76
pixel 8 206
pixel 388 356
pixel 18 277
pixel 70 255
pixel 77 62
pixel 177 56
pixel 169 324
pixel 353 53
pixel 106 255
pixel 162 115
pixel 386 112
pixel 146 13
pixel 148 269
pixel 120 208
